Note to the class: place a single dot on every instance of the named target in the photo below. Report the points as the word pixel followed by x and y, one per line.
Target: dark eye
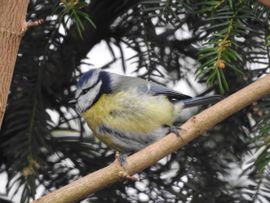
pixel 84 91
pixel 87 89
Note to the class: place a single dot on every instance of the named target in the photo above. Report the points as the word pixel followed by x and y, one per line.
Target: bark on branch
pixel 12 27
pixel 265 2
pixel 195 126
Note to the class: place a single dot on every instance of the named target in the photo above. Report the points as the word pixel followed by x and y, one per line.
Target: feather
pixel 122 83
pixel 201 100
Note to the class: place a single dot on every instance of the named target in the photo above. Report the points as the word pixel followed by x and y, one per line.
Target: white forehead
pixel 90 81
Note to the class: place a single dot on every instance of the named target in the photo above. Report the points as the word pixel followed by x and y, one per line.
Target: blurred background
pixel 196 47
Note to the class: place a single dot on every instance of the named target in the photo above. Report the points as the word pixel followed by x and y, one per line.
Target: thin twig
pixel 35 23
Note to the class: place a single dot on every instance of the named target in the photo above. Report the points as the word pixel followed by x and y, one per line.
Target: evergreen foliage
pixel 224 44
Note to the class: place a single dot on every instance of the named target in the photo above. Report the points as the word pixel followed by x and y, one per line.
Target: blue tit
pixel 129 113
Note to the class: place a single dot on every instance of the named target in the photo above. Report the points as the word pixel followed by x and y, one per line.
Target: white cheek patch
pixel 85 101
pixel 78 92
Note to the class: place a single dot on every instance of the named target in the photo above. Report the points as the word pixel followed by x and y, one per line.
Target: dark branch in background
pixel 103 14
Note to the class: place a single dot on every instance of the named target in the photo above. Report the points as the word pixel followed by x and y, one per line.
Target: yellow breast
pixel 129 112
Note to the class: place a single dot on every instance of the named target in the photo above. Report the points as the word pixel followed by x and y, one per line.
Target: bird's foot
pixel 123 173
pixel 175 130
pixel 120 158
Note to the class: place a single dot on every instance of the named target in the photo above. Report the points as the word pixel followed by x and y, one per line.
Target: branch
pixel 265 2
pixel 195 126
pixel 12 28
pixel 34 23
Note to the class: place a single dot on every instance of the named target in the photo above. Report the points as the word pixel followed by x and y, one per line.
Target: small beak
pixel 72 102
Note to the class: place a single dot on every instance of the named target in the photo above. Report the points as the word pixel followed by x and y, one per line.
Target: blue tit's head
pixel 90 87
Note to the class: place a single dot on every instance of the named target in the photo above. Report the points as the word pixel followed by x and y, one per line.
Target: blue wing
pixel 120 83
pixel 157 89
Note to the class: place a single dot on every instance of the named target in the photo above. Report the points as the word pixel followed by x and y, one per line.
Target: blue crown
pixel 84 77
pixel 104 76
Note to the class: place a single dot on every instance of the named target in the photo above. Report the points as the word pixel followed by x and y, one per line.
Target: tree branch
pixel 12 28
pixel 265 2
pixel 195 126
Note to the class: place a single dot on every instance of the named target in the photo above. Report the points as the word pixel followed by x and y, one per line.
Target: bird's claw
pixel 121 160
pixel 175 130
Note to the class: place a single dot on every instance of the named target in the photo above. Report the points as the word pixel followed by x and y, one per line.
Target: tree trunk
pixel 12 27
pixel 265 2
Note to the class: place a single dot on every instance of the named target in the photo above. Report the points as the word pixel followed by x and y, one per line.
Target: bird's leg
pixel 121 159
pixel 175 130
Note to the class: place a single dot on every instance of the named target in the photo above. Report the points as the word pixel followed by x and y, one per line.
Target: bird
pixel 129 113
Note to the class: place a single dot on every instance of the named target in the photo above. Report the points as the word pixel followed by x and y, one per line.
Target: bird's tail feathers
pixel 201 101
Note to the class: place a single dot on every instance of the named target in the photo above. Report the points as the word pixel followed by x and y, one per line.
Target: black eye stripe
pixel 84 91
